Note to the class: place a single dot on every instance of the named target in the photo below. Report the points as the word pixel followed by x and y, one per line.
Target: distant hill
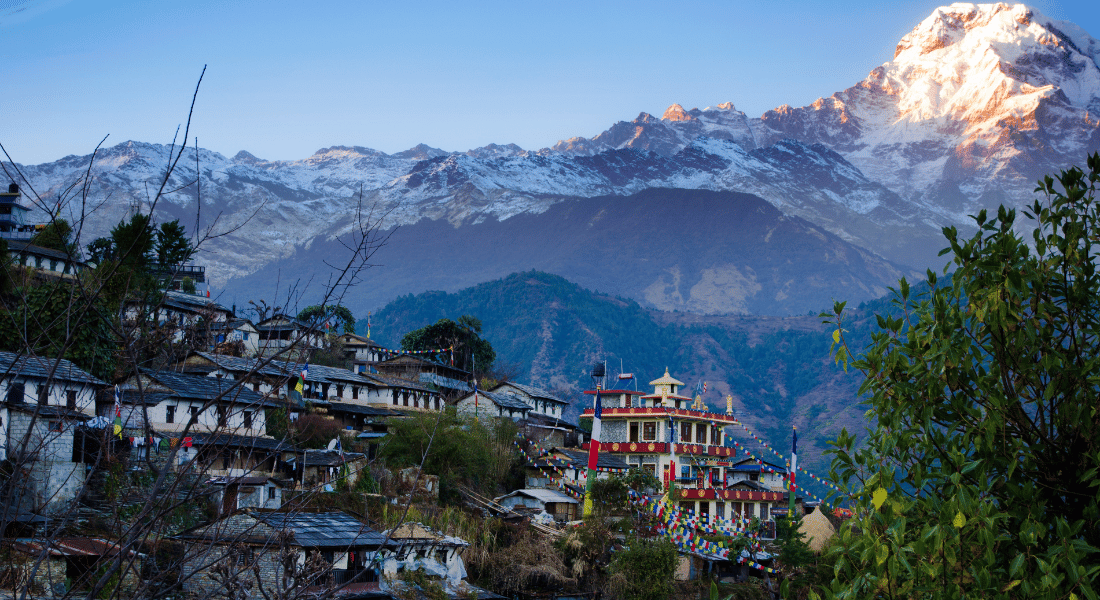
pixel 548 331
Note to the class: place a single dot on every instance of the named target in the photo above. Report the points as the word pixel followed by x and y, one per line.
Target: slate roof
pixel 329 458
pixel 505 400
pixel 199 387
pixel 232 440
pixel 359 409
pixel 236 364
pixel 395 382
pixel 323 530
pixel 39 367
pixel 750 465
pixel 534 392
pixel 230 324
pixel 48 411
pixel 190 301
pixel 21 246
pixel 332 374
pixel 131 396
pixel 580 458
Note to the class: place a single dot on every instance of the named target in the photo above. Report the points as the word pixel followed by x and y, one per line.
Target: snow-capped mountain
pixel 978 103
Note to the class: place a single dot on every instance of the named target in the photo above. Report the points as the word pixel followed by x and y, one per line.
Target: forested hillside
pixel 548 331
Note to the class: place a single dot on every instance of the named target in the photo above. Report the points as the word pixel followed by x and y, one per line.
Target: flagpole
pixel 790 478
pixel 593 454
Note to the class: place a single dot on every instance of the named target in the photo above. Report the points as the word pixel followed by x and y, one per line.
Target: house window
pixel 634 432
pixel 754 476
pixel 271 492
pixel 194 410
pixel 17 393
pixel 55 426
pixel 223 418
pixel 763 512
pixel 70 399
pixel 244 336
pixel 650 468
pixel 248 419
pixel 170 414
pixel 685 432
pixel 255 386
pixel 340 391
pixel 701 434
pixel 704 508
pixel 354 392
pixel 649 431
pixel 720 510
pixel 43 394
pixel 395 397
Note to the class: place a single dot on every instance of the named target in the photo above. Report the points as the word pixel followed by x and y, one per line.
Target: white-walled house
pixel 542 402
pixel 44 401
pixel 168 402
pixel 486 405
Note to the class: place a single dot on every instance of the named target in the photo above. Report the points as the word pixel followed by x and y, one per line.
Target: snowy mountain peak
pixel 677 113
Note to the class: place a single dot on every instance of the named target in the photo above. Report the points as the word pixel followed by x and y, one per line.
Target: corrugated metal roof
pixel 540 495
pixel 323 530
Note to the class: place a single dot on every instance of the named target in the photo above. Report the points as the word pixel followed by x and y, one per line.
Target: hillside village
pixel 264 458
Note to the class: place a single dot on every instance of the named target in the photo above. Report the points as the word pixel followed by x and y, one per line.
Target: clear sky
pixel 285 79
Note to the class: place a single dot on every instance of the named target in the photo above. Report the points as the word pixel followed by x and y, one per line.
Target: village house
pixel 229 494
pixel 280 332
pixel 489 405
pixel 46 261
pixel 450 381
pixel 45 401
pixel 562 507
pixel 235 329
pixel 363 352
pixel 297 553
pixel 327 467
pixel 13 216
pixel 71 565
pixel 265 376
pixel 402 393
pixel 167 401
pixel 569 466
pixel 542 402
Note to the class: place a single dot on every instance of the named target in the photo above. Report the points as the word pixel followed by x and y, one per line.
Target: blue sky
pixel 285 79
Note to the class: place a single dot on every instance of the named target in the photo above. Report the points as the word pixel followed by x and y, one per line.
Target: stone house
pixel 290 552
pixel 402 394
pixel 569 466
pixel 44 401
pixel 450 381
pixel 280 332
pixel 488 405
pixel 557 504
pixel 363 352
pixel 71 564
pixel 230 494
pixel 235 329
pixel 542 402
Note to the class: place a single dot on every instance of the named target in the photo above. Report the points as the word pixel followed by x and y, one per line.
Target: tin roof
pixel 322 530
pixel 544 496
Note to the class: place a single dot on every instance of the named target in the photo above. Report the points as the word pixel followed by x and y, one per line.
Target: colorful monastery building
pixel 680 441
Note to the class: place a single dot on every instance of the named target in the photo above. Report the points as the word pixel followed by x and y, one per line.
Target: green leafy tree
pixel 172 247
pixel 979 478
pixel 317 315
pixel 53 319
pixel 101 250
pixel 471 353
pixel 56 235
pixel 134 243
pixel 644 569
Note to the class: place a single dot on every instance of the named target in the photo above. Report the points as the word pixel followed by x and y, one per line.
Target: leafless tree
pixel 148 496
